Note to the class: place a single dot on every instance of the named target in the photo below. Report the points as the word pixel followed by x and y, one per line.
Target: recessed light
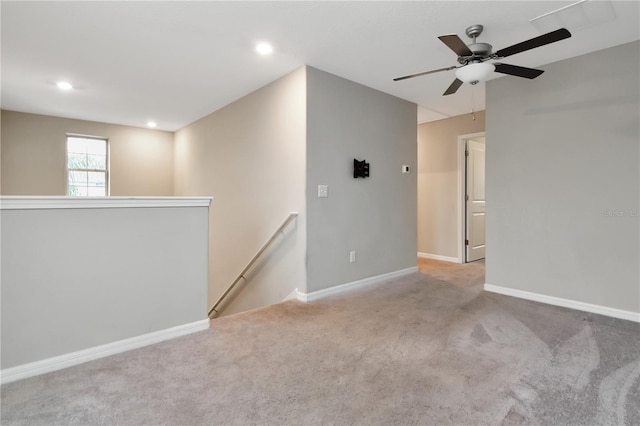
pixel 264 48
pixel 151 124
pixel 64 85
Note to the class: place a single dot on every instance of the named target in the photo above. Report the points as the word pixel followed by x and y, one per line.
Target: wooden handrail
pixel 213 312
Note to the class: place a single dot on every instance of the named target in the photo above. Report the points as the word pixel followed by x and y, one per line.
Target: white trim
pixel 315 295
pixel 438 257
pixel 79 357
pixel 294 295
pixel 61 202
pixel 302 296
pixel 565 303
pixel 462 215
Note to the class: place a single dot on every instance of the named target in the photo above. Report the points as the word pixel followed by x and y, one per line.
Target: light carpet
pixel 429 348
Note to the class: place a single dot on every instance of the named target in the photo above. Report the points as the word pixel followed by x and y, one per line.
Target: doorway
pixel 471 191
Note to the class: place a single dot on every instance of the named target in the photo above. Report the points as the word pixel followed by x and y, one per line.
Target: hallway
pixel 466 275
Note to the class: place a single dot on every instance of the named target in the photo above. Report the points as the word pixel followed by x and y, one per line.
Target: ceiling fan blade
pixel 424 73
pixel 453 88
pixel 547 38
pixel 518 71
pixel 456 44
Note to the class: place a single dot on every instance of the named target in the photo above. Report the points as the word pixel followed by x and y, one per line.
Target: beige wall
pixel 438 182
pixel 250 156
pixel 33 156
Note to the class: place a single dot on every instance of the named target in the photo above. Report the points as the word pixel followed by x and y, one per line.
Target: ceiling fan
pixel 473 57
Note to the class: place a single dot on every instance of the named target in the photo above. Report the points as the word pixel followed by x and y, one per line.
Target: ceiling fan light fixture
pixel 475 72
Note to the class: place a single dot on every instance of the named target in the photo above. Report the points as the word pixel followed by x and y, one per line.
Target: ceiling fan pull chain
pixel 473 103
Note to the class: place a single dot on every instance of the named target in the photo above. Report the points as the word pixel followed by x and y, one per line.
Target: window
pixel 87 166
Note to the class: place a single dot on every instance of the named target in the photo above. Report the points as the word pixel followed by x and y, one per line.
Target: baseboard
pixel 565 303
pixel 294 295
pixel 439 257
pixel 315 295
pixel 79 357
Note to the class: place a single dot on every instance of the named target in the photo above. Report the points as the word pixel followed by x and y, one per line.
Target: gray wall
pixel 563 180
pixel 438 201
pixel 33 156
pixel 78 278
pixel 250 155
pixel 376 216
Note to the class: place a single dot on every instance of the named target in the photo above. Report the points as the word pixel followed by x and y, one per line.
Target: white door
pixel 475 241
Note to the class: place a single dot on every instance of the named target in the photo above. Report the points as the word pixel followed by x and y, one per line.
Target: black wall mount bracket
pixel 360 169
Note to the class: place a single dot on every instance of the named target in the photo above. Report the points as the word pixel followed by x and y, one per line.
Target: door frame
pixel 462 182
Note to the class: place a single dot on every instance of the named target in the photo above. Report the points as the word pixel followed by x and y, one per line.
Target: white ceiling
pixel 175 62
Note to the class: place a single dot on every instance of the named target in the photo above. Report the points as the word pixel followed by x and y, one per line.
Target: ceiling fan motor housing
pixel 481 51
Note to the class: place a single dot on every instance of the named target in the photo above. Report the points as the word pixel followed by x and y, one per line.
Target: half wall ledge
pixel 18 202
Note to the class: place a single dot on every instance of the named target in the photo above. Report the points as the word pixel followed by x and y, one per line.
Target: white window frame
pixel 107 182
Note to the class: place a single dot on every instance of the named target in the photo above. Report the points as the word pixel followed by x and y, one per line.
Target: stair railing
pixel 213 311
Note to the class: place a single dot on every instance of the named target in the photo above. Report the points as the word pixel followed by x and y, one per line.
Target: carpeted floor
pixel 428 348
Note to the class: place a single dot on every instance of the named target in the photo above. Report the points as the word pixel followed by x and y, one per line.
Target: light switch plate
pixel 323 191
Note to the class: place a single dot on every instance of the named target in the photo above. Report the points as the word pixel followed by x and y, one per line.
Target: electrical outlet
pixel 352 257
